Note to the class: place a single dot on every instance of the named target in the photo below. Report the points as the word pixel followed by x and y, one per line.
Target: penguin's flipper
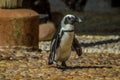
pixel 53 47
pixel 77 47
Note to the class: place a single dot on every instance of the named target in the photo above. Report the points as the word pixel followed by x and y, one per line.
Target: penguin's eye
pixel 72 19
pixel 69 18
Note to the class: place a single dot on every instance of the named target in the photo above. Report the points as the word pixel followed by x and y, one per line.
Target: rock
pixel 18 28
pixel 46 31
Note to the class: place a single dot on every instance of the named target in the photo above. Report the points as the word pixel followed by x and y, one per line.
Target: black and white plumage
pixel 63 40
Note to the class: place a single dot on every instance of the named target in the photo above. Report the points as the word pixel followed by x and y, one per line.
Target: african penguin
pixel 63 40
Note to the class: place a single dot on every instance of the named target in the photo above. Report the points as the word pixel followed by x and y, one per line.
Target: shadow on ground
pixel 88 67
pixel 100 42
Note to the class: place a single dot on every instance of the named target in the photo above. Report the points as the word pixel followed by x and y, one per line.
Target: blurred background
pixel 99 16
pixel 100 27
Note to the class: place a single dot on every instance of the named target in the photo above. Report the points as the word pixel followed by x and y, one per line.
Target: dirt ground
pixel 95 66
pixel 91 66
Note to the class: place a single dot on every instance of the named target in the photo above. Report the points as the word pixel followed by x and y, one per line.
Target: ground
pixel 95 66
pixel 91 66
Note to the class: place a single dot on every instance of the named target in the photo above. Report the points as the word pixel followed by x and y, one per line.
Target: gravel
pixel 32 65
pixel 89 67
pixel 93 44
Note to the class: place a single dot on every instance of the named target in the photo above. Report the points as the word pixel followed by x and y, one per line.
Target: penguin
pixel 63 41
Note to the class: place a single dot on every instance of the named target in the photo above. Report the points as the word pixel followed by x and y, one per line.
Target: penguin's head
pixel 71 19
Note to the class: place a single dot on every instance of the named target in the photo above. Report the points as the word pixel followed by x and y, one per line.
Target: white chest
pixel 67 37
pixel 66 40
pixel 64 50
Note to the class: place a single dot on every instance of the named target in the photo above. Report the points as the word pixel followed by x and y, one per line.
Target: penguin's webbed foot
pixel 63 65
pixel 50 63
